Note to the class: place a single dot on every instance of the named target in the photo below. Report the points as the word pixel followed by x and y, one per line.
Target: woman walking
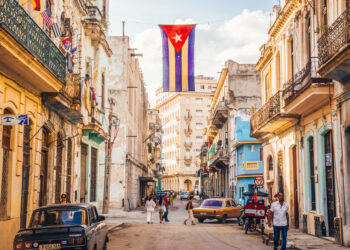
pixel 150 205
pixel 161 209
pixel 189 208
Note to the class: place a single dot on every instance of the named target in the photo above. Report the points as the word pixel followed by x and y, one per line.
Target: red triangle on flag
pixel 177 34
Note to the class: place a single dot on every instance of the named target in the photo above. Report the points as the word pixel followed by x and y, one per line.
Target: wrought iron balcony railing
pixel 335 37
pixel 94 13
pixel 302 81
pixel 268 111
pixel 17 22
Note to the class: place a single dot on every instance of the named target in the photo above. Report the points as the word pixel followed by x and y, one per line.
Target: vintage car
pixel 217 208
pixel 184 195
pixel 64 226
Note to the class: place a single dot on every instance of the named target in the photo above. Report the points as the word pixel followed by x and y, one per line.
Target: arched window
pixel 6 147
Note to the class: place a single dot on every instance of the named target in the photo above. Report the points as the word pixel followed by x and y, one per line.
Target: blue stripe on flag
pixel 165 62
pixel 191 38
pixel 178 71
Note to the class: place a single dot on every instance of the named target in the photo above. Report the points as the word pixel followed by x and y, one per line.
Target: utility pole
pixel 109 146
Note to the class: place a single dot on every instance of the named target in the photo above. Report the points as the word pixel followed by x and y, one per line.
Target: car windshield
pixel 58 217
pixel 212 203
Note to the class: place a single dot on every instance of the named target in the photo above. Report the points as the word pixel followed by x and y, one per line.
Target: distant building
pixel 183 116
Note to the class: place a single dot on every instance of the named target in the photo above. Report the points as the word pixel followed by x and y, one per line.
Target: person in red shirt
pixel 190 211
pixel 166 204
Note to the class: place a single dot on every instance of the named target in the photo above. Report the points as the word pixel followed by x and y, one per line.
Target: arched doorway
pixel 270 175
pixel 293 153
pixel 188 185
pixel 280 171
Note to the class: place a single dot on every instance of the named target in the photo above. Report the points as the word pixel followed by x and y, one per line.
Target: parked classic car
pixel 65 226
pixel 220 209
pixel 184 195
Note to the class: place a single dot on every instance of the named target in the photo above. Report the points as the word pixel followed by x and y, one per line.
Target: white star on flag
pixel 177 38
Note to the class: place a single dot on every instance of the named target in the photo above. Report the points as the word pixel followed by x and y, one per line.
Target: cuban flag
pixel 178 57
pixel 66 43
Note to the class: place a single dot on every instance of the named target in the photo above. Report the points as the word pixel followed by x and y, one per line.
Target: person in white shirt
pixel 279 215
pixel 150 205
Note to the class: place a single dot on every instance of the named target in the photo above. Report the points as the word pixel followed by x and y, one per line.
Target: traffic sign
pixel 259 180
pixel 14 120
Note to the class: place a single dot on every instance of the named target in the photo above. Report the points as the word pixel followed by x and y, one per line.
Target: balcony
pixel 188 160
pixel 220 159
pixel 334 49
pixel 188 131
pixel 66 102
pixel 306 91
pixel 250 169
pixel 271 119
pixel 188 145
pixel 25 45
pixel 220 115
pixel 95 26
pixel 94 129
pixel 188 118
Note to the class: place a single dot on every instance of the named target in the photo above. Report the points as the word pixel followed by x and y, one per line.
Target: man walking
pixel 166 204
pixel 190 211
pixel 279 215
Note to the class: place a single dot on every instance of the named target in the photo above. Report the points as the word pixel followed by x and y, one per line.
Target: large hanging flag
pixel 46 15
pixel 36 4
pixel 178 57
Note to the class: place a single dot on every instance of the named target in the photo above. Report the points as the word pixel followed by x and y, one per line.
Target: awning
pixel 147 179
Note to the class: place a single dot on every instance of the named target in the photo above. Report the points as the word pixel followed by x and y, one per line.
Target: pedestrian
pixel 279 216
pixel 160 209
pixel 63 199
pixel 171 199
pixel 166 204
pixel 150 205
pixel 189 208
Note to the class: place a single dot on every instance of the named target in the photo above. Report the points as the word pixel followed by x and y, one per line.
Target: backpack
pixel 187 205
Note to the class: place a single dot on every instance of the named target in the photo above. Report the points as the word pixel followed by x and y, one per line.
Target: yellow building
pixel 297 122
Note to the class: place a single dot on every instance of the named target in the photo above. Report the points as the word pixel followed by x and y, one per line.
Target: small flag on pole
pixel 57 31
pixel 178 57
pixel 36 4
pixel 66 43
pixel 72 52
pixel 46 14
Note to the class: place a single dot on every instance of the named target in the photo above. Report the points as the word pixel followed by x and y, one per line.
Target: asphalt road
pixel 137 234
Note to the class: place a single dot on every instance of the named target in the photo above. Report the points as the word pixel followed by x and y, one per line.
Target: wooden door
pixel 93 174
pixel 69 170
pixel 43 169
pixel 59 162
pixel 328 142
pixel 84 148
pixel 295 184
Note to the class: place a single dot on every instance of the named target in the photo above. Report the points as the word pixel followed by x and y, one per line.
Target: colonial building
pixel 183 116
pixel 299 120
pixel 129 157
pixel 237 89
pixel 40 161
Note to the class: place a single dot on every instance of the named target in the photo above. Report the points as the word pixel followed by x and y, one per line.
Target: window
pixel 312 172
pixel 202 87
pixel 199 112
pixel 228 204
pixel 199 139
pixel 270 162
pixel 188 167
pixel 188 100
pixel 199 126
pixel 59 216
pixel 199 100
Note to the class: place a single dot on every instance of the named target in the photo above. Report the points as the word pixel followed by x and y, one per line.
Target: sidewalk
pixel 120 213
pixel 306 241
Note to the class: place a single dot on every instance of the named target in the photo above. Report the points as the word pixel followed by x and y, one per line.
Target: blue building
pixel 246 163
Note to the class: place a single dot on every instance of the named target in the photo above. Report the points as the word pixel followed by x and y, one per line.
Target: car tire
pixel 223 220
pixel 200 220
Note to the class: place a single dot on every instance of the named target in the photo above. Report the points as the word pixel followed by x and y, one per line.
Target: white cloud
pixel 238 39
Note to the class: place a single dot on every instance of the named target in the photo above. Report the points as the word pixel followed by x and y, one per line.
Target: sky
pixel 226 29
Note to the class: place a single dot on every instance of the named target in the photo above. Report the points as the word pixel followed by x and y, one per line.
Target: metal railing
pixel 302 80
pixel 17 22
pixel 335 37
pixel 94 13
pixel 268 111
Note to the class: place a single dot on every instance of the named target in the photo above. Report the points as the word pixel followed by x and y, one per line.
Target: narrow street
pixel 137 234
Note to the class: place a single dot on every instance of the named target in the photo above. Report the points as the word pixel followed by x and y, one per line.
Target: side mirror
pixel 101 218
